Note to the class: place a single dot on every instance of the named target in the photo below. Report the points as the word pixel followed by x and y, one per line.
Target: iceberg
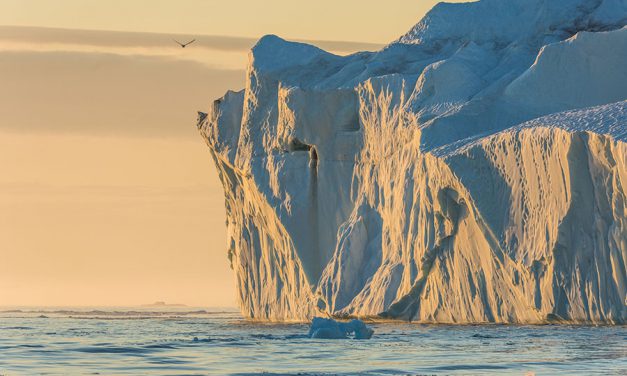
pixel 472 171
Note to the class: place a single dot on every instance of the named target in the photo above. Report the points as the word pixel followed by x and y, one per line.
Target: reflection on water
pixel 200 342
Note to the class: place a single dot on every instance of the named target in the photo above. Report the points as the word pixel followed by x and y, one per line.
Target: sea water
pixel 185 341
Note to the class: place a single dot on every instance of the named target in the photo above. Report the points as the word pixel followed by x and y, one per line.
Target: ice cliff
pixel 474 170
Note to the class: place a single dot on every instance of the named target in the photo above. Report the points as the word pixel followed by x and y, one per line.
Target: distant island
pixel 163 304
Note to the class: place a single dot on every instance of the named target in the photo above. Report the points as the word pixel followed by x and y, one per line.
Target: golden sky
pixel 353 20
pixel 108 196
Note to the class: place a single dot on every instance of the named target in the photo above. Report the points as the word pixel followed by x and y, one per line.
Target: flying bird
pixel 184 44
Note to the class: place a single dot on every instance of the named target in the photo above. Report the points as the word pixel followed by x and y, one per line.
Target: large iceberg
pixel 474 170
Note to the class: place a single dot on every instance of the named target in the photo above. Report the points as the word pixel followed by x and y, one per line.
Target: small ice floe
pixel 331 329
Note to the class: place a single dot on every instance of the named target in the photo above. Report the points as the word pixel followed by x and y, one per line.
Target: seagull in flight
pixel 184 44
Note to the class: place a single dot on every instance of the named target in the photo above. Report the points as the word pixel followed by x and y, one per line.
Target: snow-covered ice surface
pixel 472 171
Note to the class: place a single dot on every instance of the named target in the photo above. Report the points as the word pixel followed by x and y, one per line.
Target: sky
pixel 108 195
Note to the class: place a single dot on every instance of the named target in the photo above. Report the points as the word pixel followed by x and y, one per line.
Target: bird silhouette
pixel 183 45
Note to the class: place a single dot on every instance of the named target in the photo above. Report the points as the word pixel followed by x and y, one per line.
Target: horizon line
pixel 237 38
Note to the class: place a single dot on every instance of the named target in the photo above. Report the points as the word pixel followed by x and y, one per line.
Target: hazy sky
pixel 108 196
pixel 353 20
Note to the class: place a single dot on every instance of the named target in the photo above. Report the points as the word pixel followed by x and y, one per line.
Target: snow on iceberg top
pixel 609 119
pixel 272 53
pixel 505 21
pixel 446 31
pixel 465 70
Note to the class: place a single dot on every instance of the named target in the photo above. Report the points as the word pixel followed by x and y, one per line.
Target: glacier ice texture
pixel 472 171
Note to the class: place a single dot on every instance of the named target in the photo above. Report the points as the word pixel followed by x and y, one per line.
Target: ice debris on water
pixel 330 329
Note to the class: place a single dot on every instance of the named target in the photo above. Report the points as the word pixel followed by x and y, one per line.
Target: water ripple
pixel 224 344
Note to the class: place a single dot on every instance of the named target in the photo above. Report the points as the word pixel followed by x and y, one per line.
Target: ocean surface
pixel 184 341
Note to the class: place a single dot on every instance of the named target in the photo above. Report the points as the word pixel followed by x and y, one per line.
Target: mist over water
pixel 185 340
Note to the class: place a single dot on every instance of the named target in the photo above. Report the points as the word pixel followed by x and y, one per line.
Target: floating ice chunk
pixel 361 330
pixel 325 328
pixel 331 329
